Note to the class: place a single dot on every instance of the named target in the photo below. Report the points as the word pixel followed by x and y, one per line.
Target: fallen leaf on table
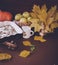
pixel 32 48
pixel 5 56
pixel 27 43
pixel 42 40
pixel 39 38
pixel 24 53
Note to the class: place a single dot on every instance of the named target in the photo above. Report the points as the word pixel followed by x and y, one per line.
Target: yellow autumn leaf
pixel 49 21
pixel 42 40
pixel 54 25
pixel 5 56
pixel 51 11
pixel 42 18
pixel 35 24
pixel 44 7
pixel 24 53
pixel 39 38
pixel 56 16
pixel 44 14
pixel 27 43
pixel 36 9
pixel 33 15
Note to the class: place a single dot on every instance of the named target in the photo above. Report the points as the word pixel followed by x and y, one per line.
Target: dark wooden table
pixel 44 54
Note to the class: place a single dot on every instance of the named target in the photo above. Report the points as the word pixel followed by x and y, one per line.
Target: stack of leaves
pixel 49 18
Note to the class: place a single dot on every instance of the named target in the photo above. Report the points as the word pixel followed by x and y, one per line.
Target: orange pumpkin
pixel 5 16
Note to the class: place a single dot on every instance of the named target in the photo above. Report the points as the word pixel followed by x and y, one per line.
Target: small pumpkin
pixel 5 16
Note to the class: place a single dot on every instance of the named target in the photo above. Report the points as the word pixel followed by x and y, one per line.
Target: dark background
pixel 15 6
pixel 46 54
